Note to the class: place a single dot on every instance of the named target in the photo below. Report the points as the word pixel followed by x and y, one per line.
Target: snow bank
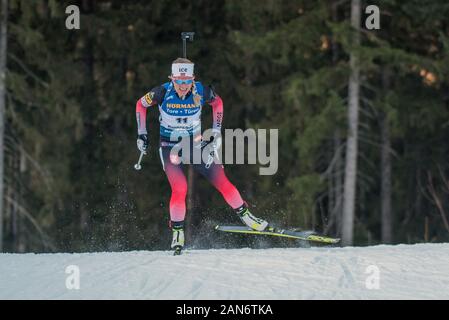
pixel 381 272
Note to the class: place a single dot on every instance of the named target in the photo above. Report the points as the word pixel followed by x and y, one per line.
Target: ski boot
pixel 177 243
pixel 251 221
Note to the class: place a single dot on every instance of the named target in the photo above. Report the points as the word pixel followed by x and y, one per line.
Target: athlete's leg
pixel 215 174
pixel 217 177
pixel 178 184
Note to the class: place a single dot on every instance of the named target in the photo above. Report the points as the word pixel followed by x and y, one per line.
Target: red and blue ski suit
pixel 184 115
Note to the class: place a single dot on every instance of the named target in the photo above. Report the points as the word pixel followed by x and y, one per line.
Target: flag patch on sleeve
pixel 147 99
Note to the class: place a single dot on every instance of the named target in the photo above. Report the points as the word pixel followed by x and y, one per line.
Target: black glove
pixel 142 142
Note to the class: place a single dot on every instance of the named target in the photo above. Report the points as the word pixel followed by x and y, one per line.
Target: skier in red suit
pixel 180 102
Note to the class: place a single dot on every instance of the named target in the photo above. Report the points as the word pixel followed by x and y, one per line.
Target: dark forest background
pixel 70 130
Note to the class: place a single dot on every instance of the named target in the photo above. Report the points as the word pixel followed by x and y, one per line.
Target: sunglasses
pixel 187 81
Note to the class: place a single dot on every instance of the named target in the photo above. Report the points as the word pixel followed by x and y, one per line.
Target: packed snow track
pixel 381 272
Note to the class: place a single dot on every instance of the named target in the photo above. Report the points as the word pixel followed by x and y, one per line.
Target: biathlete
pixel 180 102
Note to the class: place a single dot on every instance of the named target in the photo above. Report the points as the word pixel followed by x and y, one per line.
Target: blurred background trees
pixel 69 121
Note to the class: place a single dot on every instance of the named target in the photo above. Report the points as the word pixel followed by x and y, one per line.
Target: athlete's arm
pixel 216 103
pixel 155 96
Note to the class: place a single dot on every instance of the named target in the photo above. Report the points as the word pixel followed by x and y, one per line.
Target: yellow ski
pixel 292 234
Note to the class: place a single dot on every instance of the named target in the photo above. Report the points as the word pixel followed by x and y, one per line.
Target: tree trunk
pixel 330 194
pixel 387 235
pixel 3 51
pixel 352 140
pixel 190 202
pixel 338 185
pixel 338 176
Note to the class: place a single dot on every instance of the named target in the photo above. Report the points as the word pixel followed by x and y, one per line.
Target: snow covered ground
pixel 380 272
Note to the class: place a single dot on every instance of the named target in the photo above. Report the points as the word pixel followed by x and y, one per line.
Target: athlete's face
pixel 182 85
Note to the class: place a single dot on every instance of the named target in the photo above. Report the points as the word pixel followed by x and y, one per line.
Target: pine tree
pixel 353 123
pixel 3 52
